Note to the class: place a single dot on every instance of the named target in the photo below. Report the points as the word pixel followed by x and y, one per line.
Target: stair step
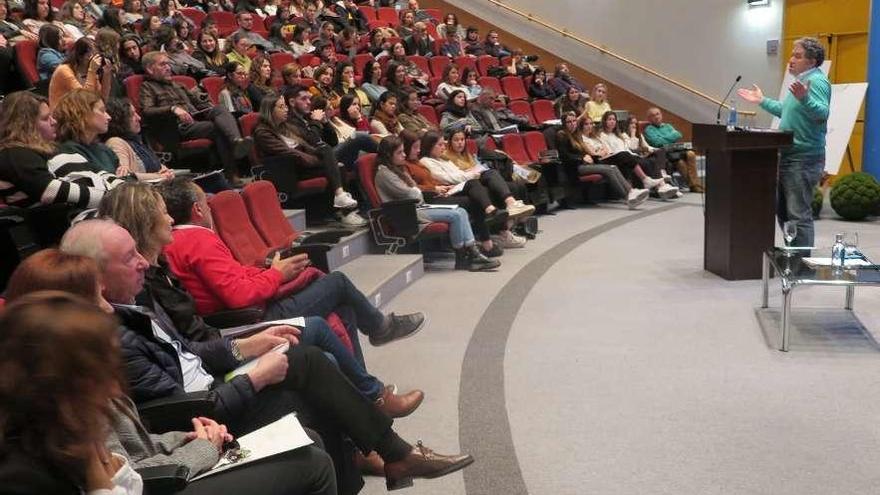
pixel 381 277
pixel 348 248
pixel 297 219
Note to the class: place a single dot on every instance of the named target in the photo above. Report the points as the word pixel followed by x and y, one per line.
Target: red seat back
pixel 514 88
pixel 26 60
pixel 543 111
pixel 438 63
pixel 280 59
pixel 523 108
pixel 213 85
pixel 389 15
pixel 360 60
pixel 484 62
pixel 369 12
pixel 465 61
pixel 491 82
pixel 429 113
pixel 225 21
pixel 535 144
pixel 133 90
pixel 233 225
pixel 261 199
pixel 366 165
pixel 421 62
pixel 247 123
pixel 195 15
pixel 185 81
pixel 472 147
pixel 514 147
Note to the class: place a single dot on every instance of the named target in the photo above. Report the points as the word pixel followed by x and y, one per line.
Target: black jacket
pixel 23 474
pixel 311 131
pixel 153 366
pixel 161 286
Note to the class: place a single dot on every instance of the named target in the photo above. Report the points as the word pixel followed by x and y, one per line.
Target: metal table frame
pixel 789 284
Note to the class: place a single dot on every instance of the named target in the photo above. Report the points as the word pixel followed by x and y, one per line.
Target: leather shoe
pixel 422 462
pixel 397 327
pixel 369 465
pixel 399 406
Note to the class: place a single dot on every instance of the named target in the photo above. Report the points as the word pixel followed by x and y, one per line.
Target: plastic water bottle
pixel 731 116
pixel 838 252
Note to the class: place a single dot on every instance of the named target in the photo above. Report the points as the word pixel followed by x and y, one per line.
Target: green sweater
pixel 807 118
pixel 661 135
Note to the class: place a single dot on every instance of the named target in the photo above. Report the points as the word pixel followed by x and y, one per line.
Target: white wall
pixel 702 43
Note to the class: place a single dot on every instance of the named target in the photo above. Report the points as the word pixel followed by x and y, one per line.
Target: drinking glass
pixel 789 232
pixel 851 243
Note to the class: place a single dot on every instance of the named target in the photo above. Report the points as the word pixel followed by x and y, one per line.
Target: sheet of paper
pixel 456 189
pixel 247 329
pixel 246 367
pixel 284 435
pixel 827 262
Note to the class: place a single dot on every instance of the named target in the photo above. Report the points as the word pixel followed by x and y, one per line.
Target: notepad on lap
pixel 248 366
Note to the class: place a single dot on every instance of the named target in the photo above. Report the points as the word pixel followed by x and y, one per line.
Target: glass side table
pixel 793 271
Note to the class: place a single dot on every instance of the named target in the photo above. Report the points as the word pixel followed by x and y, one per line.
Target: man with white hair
pixel 804 111
pixel 160 362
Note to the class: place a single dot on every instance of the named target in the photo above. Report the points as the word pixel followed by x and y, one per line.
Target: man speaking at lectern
pixel 804 111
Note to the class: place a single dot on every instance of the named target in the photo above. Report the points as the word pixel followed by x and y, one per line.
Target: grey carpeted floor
pixel 628 369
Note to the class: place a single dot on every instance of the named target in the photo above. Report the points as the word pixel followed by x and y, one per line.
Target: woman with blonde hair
pixel 82 117
pixel 28 172
pixel 598 104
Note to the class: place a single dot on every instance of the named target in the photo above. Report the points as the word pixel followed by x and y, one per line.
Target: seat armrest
pixel 161 480
pixel 176 412
pixel 234 317
pixel 401 215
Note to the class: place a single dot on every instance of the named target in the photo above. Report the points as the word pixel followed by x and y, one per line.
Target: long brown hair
pixel 52 269
pixel 18 123
pixel 463 160
pixel 72 113
pixel 135 207
pixel 574 138
pixel 61 366
pixel 386 157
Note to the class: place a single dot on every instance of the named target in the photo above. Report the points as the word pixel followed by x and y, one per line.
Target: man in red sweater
pixel 217 281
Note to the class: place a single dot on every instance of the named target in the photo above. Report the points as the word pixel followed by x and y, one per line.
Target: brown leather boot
pixel 398 406
pixel 369 465
pixel 422 462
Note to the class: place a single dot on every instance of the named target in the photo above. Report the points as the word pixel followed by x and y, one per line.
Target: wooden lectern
pixel 740 216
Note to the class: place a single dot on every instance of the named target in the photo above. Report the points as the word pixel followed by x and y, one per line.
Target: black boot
pixel 470 258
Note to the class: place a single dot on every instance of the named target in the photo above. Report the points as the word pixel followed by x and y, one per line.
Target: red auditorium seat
pixel 465 61
pixel 360 60
pixel 472 147
pixel 233 225
pixel 307 59
pixel 225 22
pixel 376 23
pixel 484 62
pixel 389 15
pixel 492 83
pixel 513 145
pixel 523 108
pixel 422 63
pixel 185 81
pixel 384 232
pixel 280 59
pixel 514 88
pixel 369 12
pixel 535 144
pixel 436 14
pixel 195 15
pixel 433 83
pixel 213 85
pixel 247 123
pixel 429 113
pixel 543 111
pixel 26 60
pixel 438 63
pixel 261 199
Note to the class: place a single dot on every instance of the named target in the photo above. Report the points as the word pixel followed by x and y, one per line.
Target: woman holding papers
pixel 63 358
pixel 394 183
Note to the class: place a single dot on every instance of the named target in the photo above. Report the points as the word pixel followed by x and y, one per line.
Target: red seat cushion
pixel 26 60
pixel 261 199
pixel 233 225
pixel 592 178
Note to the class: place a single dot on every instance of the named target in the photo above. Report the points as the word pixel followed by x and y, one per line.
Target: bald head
pixel 655 116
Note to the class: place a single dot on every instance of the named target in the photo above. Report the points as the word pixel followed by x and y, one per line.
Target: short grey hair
pixel 86 238
pixel 813 49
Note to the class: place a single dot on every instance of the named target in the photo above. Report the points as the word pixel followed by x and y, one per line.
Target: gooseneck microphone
pixel 718 116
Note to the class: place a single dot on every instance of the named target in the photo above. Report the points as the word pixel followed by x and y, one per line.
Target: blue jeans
pixel 798 177
pixel 319 334
pixel 331 293
pixel 460 233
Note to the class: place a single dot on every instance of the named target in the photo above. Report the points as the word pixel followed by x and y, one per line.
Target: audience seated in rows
pixel 41 319
pixel 123 137
pixel 408 114
pixel 598 104
pixel 394 183
pixel 83 68
pixel 160 362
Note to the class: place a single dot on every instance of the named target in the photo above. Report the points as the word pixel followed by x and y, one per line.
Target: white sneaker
pixel 651 183
pixel 509 240
pixel 665 191
pixel 519 209
pixel 344 200
pixel 636 197
pixel 353 219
